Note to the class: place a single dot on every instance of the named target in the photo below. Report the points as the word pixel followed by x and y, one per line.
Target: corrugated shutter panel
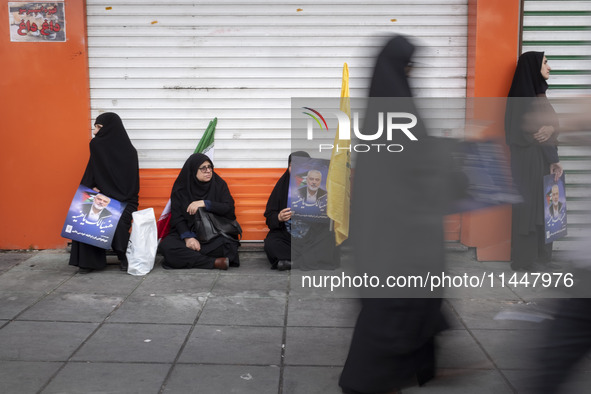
pixel 169 67
pixel 562 30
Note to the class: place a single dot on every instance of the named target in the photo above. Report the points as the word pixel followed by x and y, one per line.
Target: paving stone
pixel 31 281
pixel 118 342
pixel 322 312
pixel 511 349
pixel 457 349
pixel 14 302
pixel 244 311
pixel 25 376
pixel 101 282
pixel 48 260
pixel 168 309
pixel 216 379
pixel 317 346
pixel 70 307
pixel 450 381
pixel 540 292
pixel 42 341
pixel 234 345
pixel 477 313
pixel 311 380
pixel 115 378
pixel 576 382
pixel 250 286
pixel 188 282
pixel 10 259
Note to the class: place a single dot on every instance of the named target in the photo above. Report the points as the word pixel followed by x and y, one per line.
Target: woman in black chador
pixel 278 215
pixel 113 170
pixel 398 203
pixel 198 186
pixel 531 127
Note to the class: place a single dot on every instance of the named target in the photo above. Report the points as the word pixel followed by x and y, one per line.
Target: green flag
pixel 205 145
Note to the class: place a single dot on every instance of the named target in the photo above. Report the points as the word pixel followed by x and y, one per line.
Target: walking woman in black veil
pixel 113 171
pixel 398 203
pixel 531 126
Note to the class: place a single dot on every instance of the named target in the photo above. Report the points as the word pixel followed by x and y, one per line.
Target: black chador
pixel 216 194
pixel 527 110
pixel 112 169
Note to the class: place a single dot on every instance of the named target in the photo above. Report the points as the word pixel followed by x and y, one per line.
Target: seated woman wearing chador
pixel 198 186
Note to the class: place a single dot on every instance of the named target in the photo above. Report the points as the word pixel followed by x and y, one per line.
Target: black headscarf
pixel 113 165
pixel 389 75
pixel 528 83
pixel 528 80
pixel 278 198
pixel 390 91
pixel 187 188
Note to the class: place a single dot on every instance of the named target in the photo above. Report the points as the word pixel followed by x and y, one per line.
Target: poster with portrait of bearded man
pixel 307 189
pixel 92 218
pixel 554 208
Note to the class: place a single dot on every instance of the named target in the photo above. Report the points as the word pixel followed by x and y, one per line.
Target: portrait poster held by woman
pixel 198 186
pixel 398 203
pixel 531 128
pixel 278 219
pixel 112 170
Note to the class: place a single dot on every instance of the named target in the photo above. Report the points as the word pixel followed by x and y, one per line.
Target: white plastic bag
pixel 143 242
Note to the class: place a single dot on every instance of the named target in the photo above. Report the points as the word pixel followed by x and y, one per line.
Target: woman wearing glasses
pixel 198 186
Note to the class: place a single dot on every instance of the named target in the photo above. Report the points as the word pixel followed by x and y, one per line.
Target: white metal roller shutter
pixel 169 67
pixel 562 30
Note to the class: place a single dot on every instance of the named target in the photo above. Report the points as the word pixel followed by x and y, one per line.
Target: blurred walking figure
pixel 399 200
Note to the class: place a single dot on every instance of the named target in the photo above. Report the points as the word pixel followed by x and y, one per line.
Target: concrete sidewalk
pixel 246 330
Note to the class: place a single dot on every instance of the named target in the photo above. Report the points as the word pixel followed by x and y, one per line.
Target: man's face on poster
pixel 555 194
pixel 100 202
pixel 313 180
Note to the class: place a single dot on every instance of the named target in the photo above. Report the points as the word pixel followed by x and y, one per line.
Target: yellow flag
pixel 338 182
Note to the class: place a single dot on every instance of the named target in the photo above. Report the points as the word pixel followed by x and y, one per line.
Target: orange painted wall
pixel 45 115
pixel 493 45
pixel 250 188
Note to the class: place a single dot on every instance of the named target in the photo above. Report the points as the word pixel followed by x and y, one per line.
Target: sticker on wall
pixel 37 22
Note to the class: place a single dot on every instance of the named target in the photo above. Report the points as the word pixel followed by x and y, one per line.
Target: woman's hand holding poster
pixel 92 218
pixel 554 208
